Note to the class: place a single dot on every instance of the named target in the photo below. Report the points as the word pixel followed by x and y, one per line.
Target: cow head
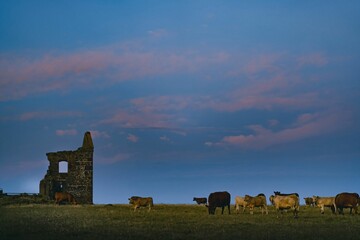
pixel 211 209
pixel 271 198
pixel 315 199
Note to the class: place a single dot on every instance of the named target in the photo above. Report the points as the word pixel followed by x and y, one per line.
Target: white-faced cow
pixel 239 201
pixel 218 199
pixel 201 200
pixel 258 201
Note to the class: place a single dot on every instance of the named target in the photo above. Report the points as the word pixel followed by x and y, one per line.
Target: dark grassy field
pixel 168 222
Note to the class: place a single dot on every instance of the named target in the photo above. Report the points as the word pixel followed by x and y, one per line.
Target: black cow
pixel 285 194
pixel 347 200
pixel 218 199
pixel 199 201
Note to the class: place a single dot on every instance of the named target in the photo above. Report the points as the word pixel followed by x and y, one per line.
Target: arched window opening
pixel 63 167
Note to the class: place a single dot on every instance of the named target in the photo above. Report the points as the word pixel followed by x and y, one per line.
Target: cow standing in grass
pixel 258 201
pixel 61 197
pixel 239 201
pixel 347 200
pixel 309 201
pixel 286 202
pixel 138 202
pixel 218 199
pixel 323 202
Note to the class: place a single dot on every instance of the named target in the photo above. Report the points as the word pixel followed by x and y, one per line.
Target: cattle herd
pixel 279 200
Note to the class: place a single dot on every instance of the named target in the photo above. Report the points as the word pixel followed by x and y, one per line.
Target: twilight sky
pixel 183 98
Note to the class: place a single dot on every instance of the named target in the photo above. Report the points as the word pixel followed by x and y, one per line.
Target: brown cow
pixel 138 202
pixel 218 199
pixel 258 201
pixel 347 200
pixel 64 197
pixel 199 201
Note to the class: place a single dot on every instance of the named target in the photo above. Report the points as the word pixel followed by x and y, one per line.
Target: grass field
pixel 168 222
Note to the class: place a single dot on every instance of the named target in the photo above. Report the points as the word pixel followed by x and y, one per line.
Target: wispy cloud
pixel 47 115
pixel 66 132
pixel 306 126
pixel 114 159
pixel 21 76
pixel 99 134
pixel 132 138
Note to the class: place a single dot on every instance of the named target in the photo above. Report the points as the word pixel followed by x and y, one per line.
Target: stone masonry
pixel 78 180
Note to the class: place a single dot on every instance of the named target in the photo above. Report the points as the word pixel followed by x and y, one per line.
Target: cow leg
pixel 266 210
pixel 237 208
pixel 229 208
pixel 222 210
pixel 322 209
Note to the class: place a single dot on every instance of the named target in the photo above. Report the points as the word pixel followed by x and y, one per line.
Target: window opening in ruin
pixel 63 167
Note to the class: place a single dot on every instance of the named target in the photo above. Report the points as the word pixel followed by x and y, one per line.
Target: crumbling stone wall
pixel 78 180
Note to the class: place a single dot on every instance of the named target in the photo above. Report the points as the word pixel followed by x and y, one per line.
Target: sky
pixel 183 98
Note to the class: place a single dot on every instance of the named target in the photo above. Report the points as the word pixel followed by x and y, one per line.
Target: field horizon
pixel 169 221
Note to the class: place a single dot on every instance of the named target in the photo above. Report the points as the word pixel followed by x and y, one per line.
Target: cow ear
pixel 206 205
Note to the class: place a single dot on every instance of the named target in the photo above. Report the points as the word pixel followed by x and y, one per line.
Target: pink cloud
pixel 21 76
pixel 46 115
pixel 306 126
pixel 139 120
pixel 99 134
pixel 132 138
pixel 66 132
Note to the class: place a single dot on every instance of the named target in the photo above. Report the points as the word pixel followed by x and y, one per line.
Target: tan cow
pixel 286 202
pixel 309 201
pixel 239 201
pixel 323 202
pixel 138 202
pixel 64 197
pixel 258 201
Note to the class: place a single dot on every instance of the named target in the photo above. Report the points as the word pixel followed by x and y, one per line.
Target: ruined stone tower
pixel 78 180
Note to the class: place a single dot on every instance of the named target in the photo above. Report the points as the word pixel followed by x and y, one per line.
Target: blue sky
pixel 183 98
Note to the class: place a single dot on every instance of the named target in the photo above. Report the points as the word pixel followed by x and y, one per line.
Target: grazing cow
pixel 347 200
pixel 199 201
pixel 138 202
pixel 309 201
pixel 285 194
pixel 323 202
pixel 64 197
pixel 218 199
pixel 258 201
pixel 239 201
pixel 286 202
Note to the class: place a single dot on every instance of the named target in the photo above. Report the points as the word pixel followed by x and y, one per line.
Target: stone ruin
pixel 78 180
